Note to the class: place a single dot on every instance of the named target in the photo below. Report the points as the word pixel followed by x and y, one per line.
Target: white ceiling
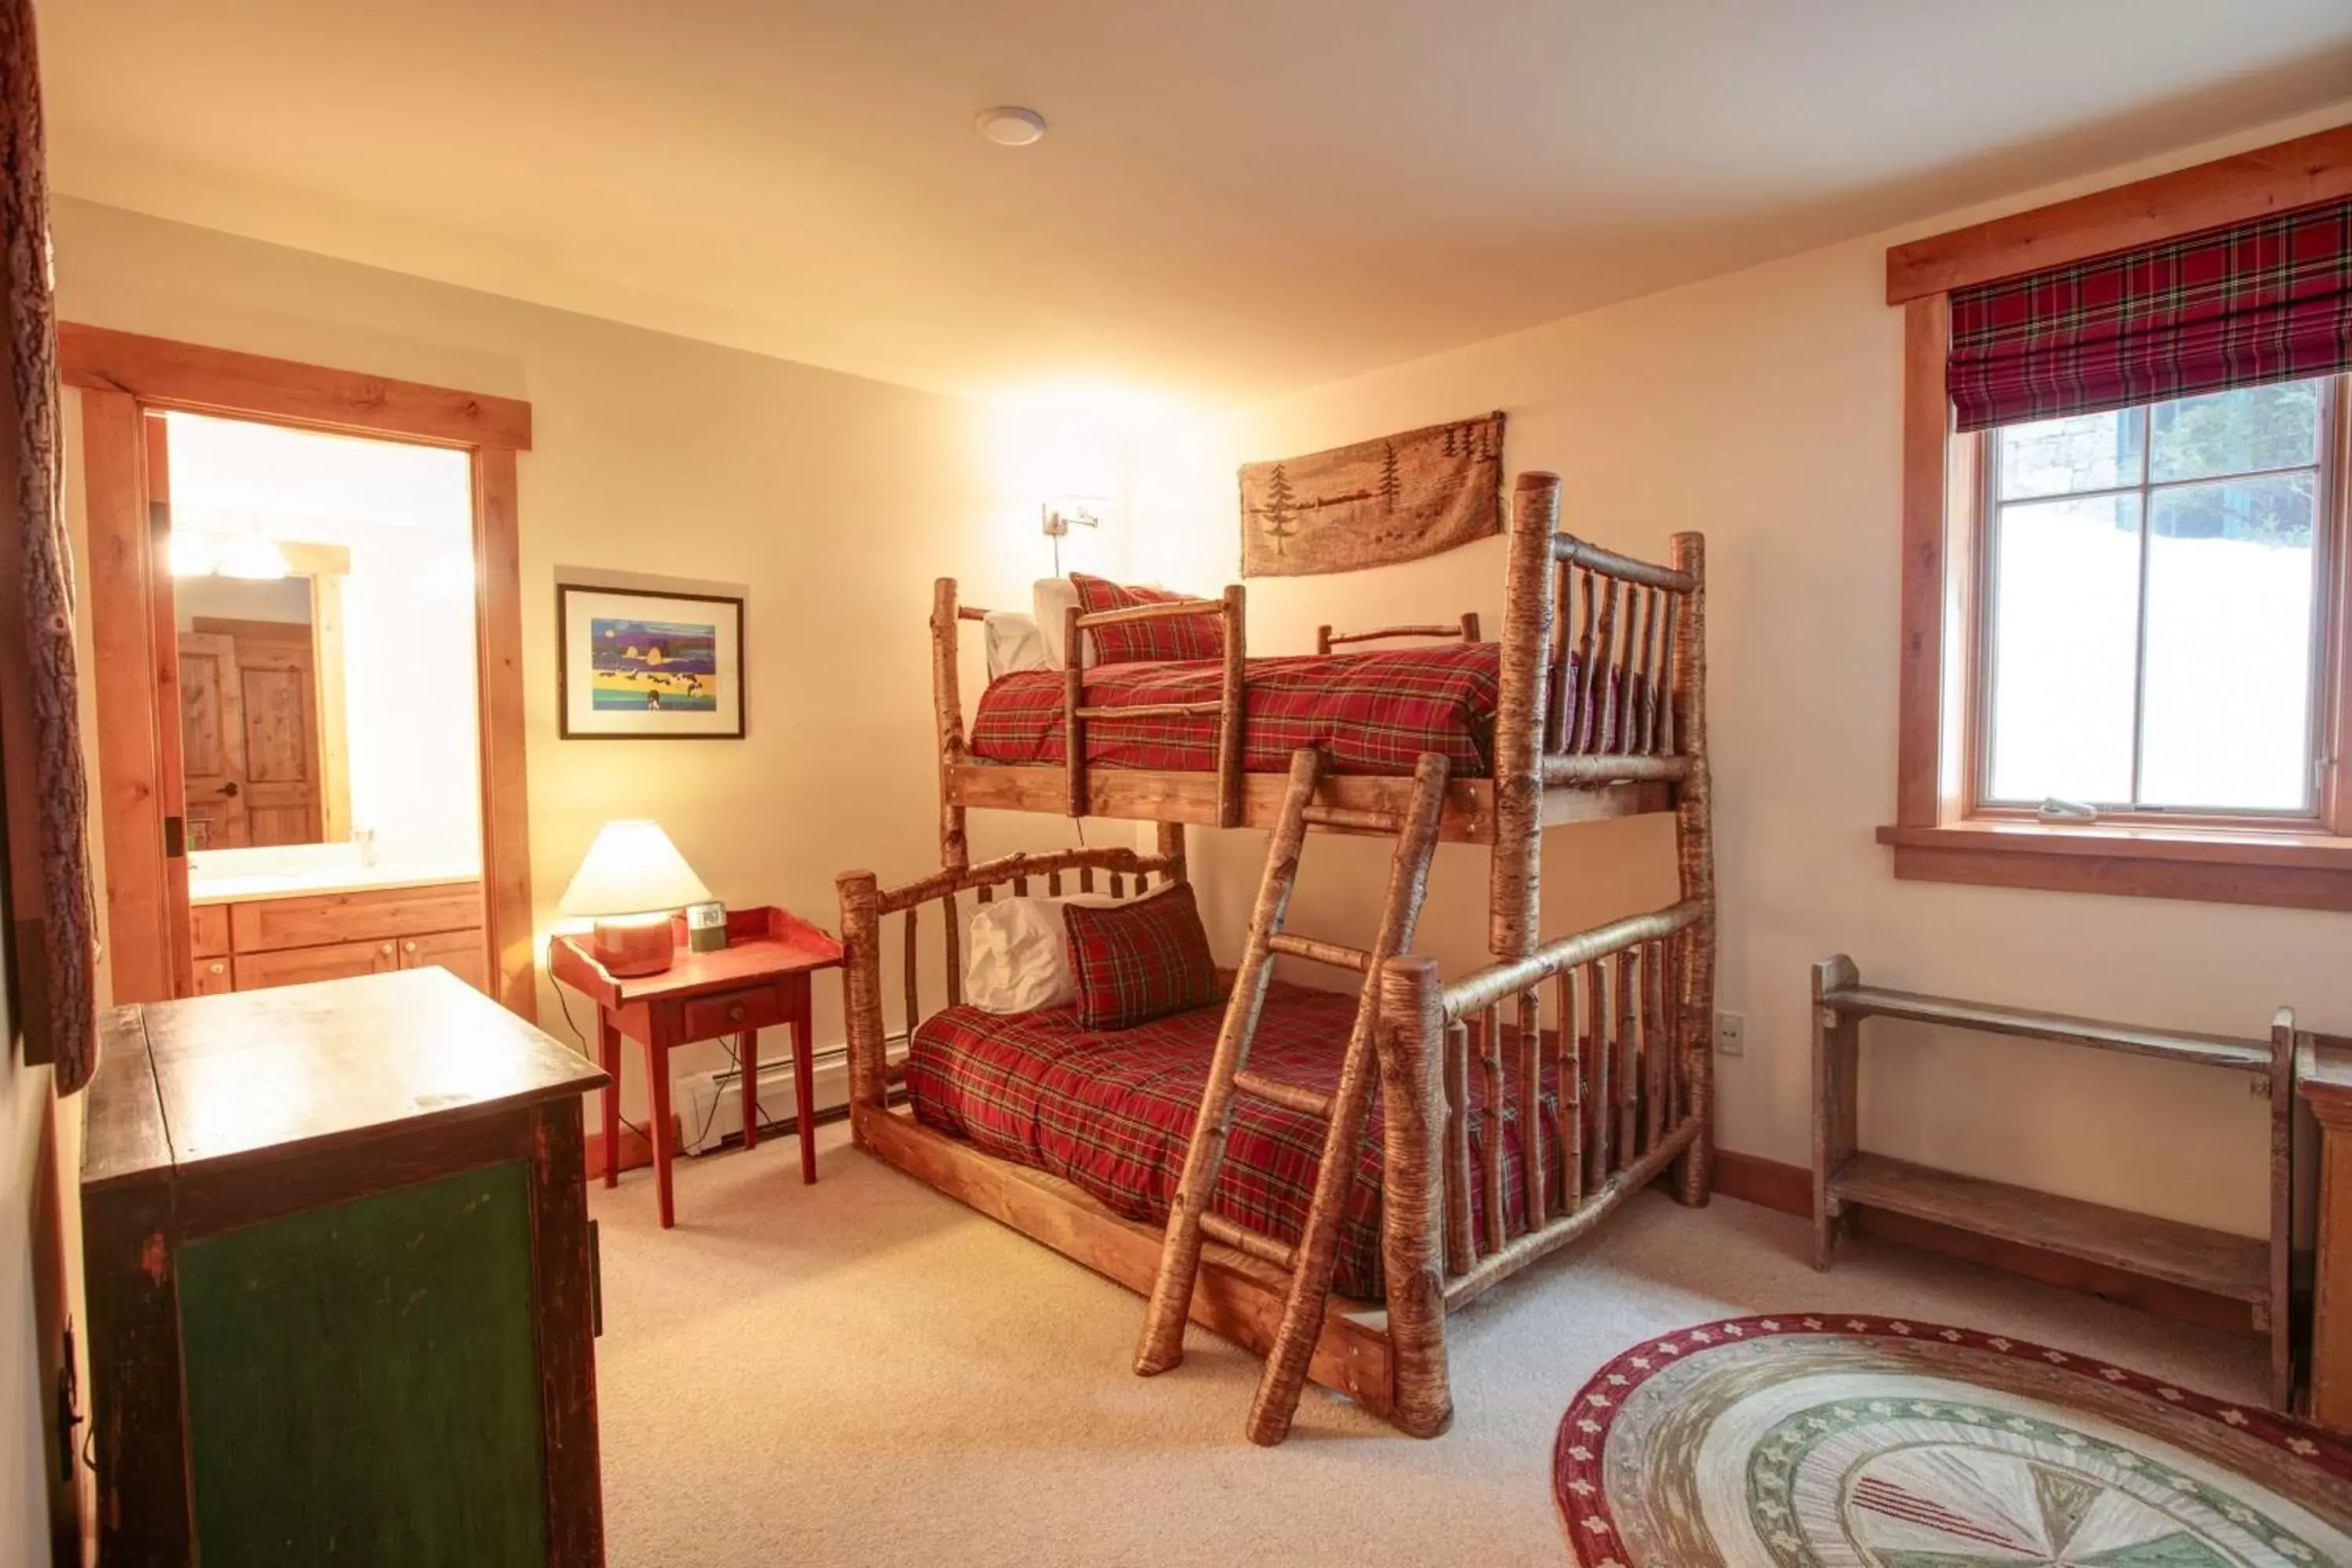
pixel 1236 196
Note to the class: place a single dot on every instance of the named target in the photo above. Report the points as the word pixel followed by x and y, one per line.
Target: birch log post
pixel 1695 866
pixel 1515 882
pixel 861 969
pixel 1232 715
pixel 1413 1195
pixel 1074 723
pixel 1170 844
pixel 947 711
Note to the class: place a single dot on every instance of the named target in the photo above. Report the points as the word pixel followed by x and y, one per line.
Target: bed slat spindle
pixel 1604 1088
pixel 1533 1156
pixel 914 1006
pixel 1594 730
pixel 951 946
pixel 1637 692
pixel 1629 1074
pixel 1490 1070
pixel 1563 649
pixel 1661 726
pixel 1461 1241
pixel 1571 1096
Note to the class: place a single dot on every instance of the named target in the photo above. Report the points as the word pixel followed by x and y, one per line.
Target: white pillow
pixel 1016 955
pixel 1012 642
pixel 1051 599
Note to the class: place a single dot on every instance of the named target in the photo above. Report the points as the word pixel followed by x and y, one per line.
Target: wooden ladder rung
pixel 1329 952
pixel 1290 1096
pixel 1265 1248
pixel 1352 818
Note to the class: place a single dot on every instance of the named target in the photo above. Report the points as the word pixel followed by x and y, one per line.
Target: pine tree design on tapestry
pixel 1395 499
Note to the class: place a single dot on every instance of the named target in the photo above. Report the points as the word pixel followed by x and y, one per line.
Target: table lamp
pixel 632 881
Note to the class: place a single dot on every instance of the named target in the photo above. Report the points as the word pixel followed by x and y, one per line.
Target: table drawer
pixel 732 1012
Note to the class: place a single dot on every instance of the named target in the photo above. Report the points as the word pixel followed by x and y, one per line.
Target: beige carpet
pixel 867 1371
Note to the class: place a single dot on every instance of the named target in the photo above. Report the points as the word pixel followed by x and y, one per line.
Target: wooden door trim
pixel 197 379
pixel 122 373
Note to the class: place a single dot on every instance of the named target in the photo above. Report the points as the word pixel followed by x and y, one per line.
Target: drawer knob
pixel 220 969
pixel 735 1011
pixel 411 946
pixel 386 948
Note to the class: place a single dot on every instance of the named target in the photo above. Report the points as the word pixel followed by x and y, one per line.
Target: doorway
pixel 304 594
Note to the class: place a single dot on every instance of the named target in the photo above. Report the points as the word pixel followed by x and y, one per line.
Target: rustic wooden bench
pixel 2251 1269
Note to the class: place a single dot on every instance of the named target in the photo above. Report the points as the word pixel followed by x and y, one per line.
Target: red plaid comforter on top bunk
pixel 1370 712
pixel 1113 1112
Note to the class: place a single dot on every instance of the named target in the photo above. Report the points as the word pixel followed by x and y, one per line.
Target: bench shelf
pixel 2251 1269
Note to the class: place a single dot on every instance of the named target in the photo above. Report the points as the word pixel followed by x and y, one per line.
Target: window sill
pixel 2291 870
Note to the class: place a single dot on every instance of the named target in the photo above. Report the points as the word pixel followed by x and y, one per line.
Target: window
pixel 2126 562
pixel 2151 594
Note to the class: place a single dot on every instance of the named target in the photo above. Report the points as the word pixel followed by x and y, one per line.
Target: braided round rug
pixel 1850 1442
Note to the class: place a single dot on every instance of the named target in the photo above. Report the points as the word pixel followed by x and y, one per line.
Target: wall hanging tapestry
pixel 1396 499
pixel 649 666
pixel 1804 1440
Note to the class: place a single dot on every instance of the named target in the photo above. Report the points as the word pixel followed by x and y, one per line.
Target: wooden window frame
pixel 123 377
pixel 1939 833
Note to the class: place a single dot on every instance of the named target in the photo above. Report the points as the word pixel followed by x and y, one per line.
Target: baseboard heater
pixel 710 1105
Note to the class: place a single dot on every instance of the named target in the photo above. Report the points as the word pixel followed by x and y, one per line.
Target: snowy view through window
pixel 2151 610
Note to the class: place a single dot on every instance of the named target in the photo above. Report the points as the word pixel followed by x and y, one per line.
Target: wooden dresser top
pixel 214 1077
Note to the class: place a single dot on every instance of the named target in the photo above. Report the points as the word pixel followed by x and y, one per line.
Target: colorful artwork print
pixel 641 665
pixel 654 666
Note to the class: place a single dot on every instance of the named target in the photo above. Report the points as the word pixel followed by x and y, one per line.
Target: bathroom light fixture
pixel 253 558
pixel 1009 126
pixel 193 554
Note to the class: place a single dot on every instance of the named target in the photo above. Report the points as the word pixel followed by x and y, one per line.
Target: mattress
pixel 1112 1112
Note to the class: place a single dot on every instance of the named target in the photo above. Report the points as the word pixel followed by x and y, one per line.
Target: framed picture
pixel 634 666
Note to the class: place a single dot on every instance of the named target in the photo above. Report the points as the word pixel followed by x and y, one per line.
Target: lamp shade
pixel 632 868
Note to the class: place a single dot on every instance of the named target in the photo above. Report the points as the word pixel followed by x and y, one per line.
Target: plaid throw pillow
pixel 1186 637
pixel 1139 960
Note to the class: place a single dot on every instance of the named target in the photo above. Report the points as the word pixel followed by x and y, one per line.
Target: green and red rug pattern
pixel 1815 1441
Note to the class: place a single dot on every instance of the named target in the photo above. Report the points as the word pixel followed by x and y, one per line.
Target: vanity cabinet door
pixel 333 961
pixel 458 951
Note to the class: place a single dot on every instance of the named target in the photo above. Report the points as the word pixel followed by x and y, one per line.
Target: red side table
pixel 759 980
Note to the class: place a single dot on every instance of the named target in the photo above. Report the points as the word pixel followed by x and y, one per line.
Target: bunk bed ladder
pixel 1309 1264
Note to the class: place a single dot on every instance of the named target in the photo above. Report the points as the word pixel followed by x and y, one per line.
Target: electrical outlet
pixel 1730 1035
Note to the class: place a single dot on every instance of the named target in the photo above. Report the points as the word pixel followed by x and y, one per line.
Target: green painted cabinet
pixel 341 1282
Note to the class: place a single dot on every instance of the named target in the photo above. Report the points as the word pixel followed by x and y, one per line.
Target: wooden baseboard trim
pixel 637 1150
pixel 1773 1184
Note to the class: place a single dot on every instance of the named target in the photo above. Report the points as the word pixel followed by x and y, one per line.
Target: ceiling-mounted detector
pixel 1009 126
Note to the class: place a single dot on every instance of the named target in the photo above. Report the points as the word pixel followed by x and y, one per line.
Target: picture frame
pixel 636 664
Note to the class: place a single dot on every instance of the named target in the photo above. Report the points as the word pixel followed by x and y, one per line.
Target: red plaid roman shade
pixel 2265 300
pixel 1136 961
pixel 1183 637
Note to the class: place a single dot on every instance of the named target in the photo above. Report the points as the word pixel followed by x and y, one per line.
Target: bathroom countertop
pixel 240 888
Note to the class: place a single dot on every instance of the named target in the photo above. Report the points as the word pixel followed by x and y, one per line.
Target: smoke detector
pixel 1009 126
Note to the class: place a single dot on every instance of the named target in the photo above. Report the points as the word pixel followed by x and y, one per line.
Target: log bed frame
pixel 1629 1001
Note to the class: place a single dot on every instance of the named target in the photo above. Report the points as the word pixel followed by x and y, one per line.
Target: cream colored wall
pixel 831 502
pixel 1764 408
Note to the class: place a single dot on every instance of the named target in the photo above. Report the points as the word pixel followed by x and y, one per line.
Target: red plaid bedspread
pixel 1113 1113
pixel 1370 712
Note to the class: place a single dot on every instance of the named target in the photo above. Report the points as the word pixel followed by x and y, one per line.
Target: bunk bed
pixel 1518 1105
